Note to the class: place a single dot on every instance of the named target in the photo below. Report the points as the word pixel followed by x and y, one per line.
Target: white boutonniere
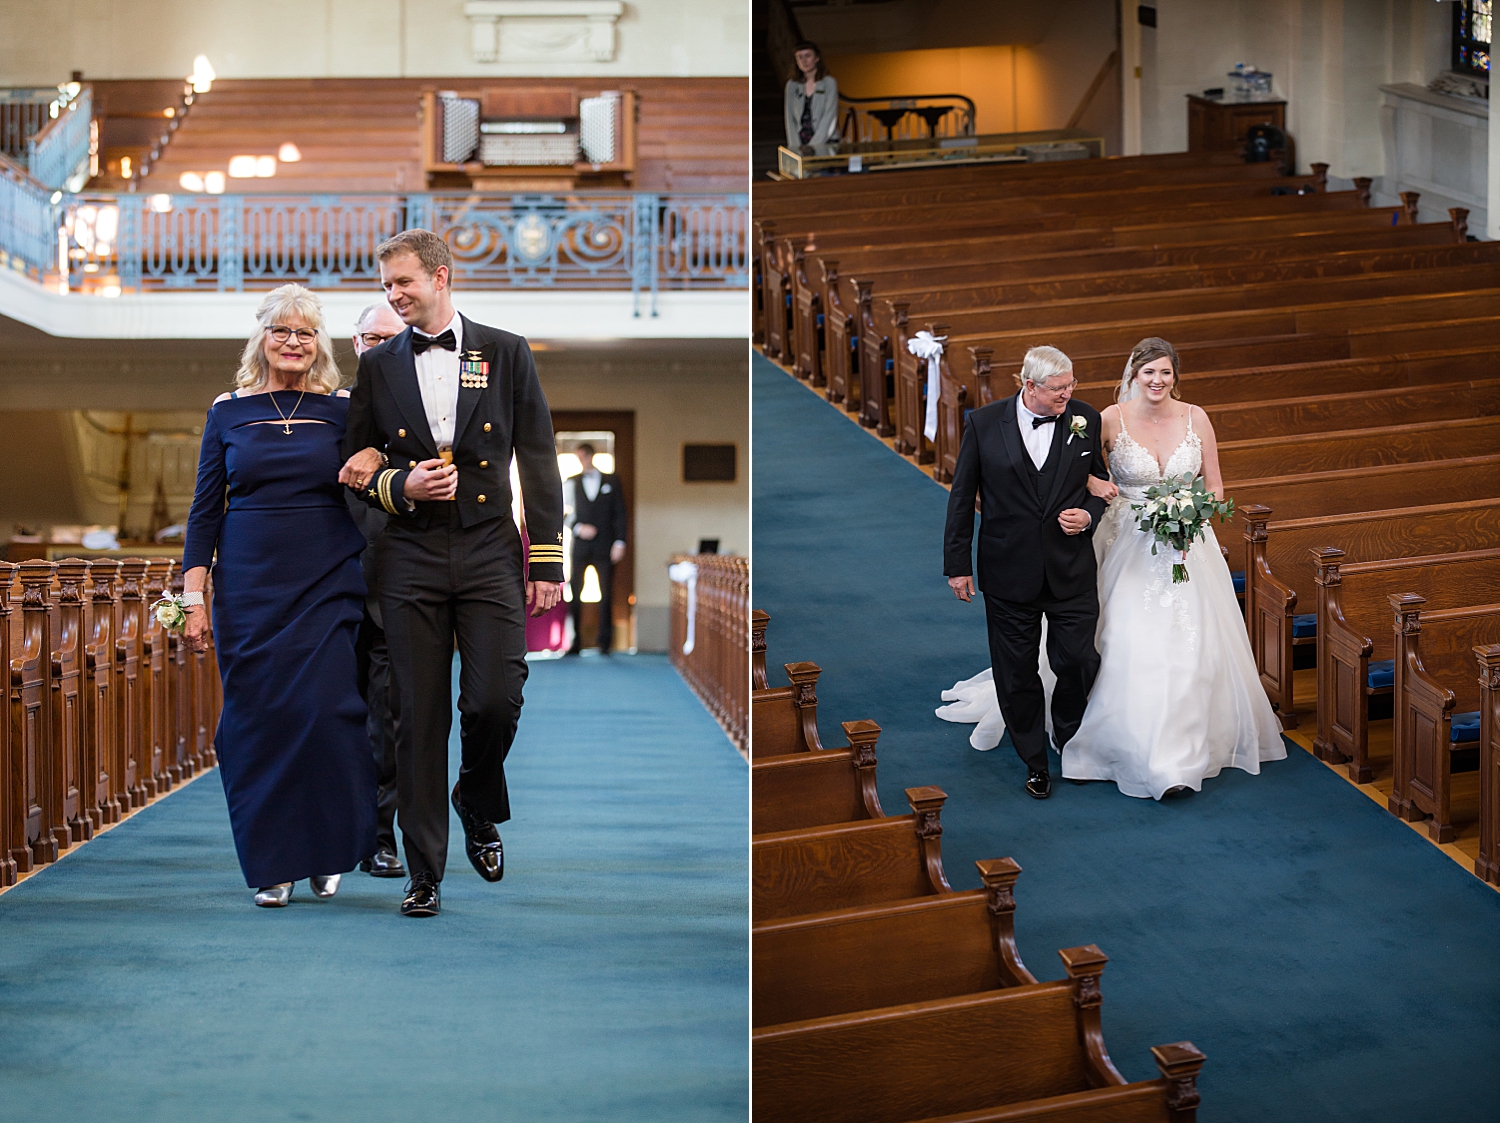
pixel 1078 426
pixel 171 612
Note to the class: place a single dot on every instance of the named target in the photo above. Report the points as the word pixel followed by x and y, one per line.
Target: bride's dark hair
pixel 1146 351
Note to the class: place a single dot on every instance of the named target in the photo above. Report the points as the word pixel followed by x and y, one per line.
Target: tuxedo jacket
pixel 1020 540
pixel 509 415
pixel 605 511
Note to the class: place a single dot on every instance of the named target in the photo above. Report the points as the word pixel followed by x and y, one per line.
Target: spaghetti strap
pixel 234 393
pixel 1190 420
pixel 1122 421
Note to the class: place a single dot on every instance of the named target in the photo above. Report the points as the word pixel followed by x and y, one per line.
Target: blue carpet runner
pixel 604 979
pixel 1330 963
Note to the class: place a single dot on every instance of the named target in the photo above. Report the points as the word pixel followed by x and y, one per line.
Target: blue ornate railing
pixel 642 242
pixel 60 151
pixel 28 224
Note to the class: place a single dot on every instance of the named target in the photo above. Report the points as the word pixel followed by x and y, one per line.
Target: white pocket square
pixel 1085 452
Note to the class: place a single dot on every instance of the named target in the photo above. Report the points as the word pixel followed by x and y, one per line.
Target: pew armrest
pixel 1084 966
pixel 1180 1064
pixel 999 877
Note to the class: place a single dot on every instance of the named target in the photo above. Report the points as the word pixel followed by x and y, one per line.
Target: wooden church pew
pixel 950 185
pixel 849 864
pixel 1358 448
pixel 838 962
pixel 1435 699
pixel 982 236
pixel 99 691
pixel 1487 865
pixel 759 622
pixel 1336 376
pixel 784 719
pixel 818 788
pixel 969 1054
pixel 863 334
pixel 1280 573
pixel 1355 647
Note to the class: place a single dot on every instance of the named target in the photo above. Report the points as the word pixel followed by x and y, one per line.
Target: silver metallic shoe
pixel 324 887
pixel 274 896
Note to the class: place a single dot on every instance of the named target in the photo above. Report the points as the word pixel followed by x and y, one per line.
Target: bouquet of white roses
pixel 1176 512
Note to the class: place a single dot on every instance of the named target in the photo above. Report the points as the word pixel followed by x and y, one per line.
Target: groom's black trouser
pixel 441 585
pixel 1015 632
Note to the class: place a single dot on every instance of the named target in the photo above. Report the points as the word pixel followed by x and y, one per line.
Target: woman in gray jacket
pixel 812 101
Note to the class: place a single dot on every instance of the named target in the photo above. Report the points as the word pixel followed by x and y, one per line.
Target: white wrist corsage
pixel 171 610
pixel 1078 426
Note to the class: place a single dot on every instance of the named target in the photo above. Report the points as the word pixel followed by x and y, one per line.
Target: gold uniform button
pixel 481 499
pixel 484 463
pixel 486 426
pixel 411 464
pixel 400 432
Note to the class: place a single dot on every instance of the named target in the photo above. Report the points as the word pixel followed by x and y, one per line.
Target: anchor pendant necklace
pixel 286 418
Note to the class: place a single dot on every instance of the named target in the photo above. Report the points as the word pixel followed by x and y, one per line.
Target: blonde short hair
pixel 324 377
pixel 1043 364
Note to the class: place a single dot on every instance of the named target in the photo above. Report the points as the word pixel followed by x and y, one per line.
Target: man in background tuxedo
pixel 377 324
pixel 595 508
pixel 445 405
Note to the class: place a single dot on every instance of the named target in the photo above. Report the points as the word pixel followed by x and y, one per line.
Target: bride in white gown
pixel 1177 698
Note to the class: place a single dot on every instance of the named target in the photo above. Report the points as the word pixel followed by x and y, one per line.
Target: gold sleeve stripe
pixel 546 554
pixel 384 494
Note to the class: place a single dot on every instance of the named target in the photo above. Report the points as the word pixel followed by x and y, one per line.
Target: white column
pixel 1130 80
pixel 1492 184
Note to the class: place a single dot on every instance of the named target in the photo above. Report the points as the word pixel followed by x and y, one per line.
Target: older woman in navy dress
pixel 269 516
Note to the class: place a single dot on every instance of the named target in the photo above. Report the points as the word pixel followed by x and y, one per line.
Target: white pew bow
pixel 686 573
pixel 929 348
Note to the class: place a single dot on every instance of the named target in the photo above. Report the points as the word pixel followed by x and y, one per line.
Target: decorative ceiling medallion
pixel 543 30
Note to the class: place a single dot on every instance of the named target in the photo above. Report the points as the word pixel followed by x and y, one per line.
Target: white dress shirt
pixel 437 377
pixel 1036 438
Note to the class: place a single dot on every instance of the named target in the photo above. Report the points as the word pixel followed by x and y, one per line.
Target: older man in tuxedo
pixel 1028 459
pixel 445 405
pixel 377 324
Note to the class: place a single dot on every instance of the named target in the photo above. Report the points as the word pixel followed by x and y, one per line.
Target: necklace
pixel 286 418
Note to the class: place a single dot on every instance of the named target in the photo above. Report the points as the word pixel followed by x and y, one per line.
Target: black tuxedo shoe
pixel 481 841
pixel 1039 784
pixel 383 864
pixel 574 650
pixel 422 896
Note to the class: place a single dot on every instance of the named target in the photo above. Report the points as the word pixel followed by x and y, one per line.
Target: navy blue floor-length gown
pixel 288 600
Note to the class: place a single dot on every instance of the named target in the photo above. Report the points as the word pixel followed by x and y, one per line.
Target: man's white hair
pixel 370 310
pixel 1043 364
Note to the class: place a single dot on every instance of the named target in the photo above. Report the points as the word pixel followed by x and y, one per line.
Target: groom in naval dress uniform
pixel 1028 459
pixel 434 418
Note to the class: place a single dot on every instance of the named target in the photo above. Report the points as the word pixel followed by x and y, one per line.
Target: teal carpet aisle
pixel 603 979
pixel 1330 963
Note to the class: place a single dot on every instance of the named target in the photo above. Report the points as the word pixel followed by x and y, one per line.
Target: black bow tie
pixel 1038 422
pixel 420 342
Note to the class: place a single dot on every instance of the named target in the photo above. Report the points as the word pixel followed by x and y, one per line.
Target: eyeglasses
pixel 374 338
pixel 1055 391
pixel 282 334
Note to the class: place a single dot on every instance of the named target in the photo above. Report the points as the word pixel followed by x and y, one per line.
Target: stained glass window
pixel 1472 23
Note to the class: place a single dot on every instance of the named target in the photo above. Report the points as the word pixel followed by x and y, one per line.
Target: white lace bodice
pixel 1134 468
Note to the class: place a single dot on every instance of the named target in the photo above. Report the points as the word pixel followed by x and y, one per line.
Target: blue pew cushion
pixel 1305 626
pixel 1382 673
pixel 1465 727
pixel 1238 577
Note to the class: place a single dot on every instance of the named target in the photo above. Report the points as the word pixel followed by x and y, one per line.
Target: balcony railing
pixel 49 132
pixel 864 119
pixel 108 244
pixel 58 155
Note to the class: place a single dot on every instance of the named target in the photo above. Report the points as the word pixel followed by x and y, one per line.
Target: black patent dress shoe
pixel 1039 784
pixel 481 841
pixel 422 896
pixel 384 863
